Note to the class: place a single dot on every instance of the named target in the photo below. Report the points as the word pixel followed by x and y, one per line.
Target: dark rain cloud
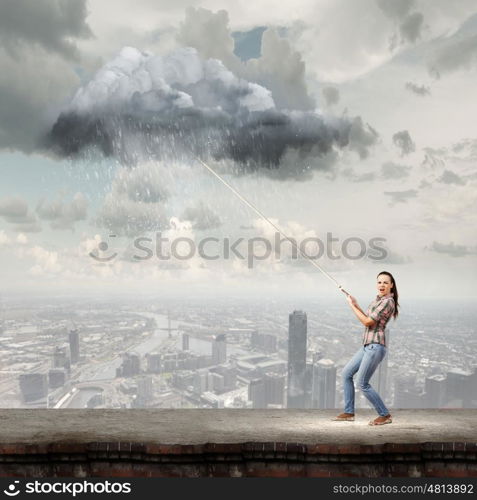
pixel 331 95
pixel 201 217
pixel 52 24
pixel 179 107
pixel 456 52
pixel 452 249
pixel 391 170
pixel 450 177
pixel 38 44
pixel 420 90
pixel 409 23
pixel 410 28
pixel 62 214
pixel 15 211
pixel 403 141
pixel 401 196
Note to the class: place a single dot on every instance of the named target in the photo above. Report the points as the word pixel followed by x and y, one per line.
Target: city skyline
pixel 139 359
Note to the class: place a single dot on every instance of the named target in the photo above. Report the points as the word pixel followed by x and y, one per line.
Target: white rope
pixel 265 218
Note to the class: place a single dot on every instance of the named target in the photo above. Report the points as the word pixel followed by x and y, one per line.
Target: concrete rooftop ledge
pixel 194 443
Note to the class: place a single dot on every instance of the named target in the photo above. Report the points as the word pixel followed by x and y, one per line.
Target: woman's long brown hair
pixel 394 290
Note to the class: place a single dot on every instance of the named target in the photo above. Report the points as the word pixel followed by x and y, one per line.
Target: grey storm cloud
pixel 390 170
pixel 420 90
pixel 367 177
pixel 123 217
pixel 136 203
pixel 201 217
pixel 411 27
pixel 177 107
pixel 401 196
pixel 351 175
pixel 15 211
pixel 37 47
pixel 52 24
pixel 391 257
pixel 146 185
pixel 403 141
pixel 63 215
pixel 409 23
pixel 396 10
pixel 331 95
pixel 452 249
pixel 449 177
pixel 458 51
pixel 279 67
pixel 13 208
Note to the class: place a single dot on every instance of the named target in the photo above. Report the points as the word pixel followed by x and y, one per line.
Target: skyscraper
pixel 219 349
pixel 435 388
pixel 267 390
pixel 130 366
pixel 73 337
pixel 144 391
pixel 154 362
pixel 297 329
pixel 406 393
pixel 60 357
pixel 458 388
pixel 324 384
pixel 56 377
pixel 185 342
pixel 33 386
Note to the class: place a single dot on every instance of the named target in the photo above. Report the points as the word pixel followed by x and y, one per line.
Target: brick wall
pixel 253 459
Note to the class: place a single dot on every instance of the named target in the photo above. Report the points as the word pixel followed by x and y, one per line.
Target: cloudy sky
pixel 337 119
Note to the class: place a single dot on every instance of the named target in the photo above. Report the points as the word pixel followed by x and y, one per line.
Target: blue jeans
pixel 365 362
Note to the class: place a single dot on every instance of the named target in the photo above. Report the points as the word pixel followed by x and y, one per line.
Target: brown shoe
pixel 343 417
pixel 387 419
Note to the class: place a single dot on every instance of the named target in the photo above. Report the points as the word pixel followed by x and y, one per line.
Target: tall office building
pixel 435 387
pixel 60 357
pixel 297 329
pixel 154 362
pixel 263 341
pixel 270 389
pixel 219 349
pixel 33 386
pixel 275 388
pixel 56 377
pixel 73 337
pixel 458 388
pixel 144 391
pixel 256 393
pixel 185 342
pixel 406 394
pixel 324 384
pixel 201 381
pixel 130 366
pixel 473 391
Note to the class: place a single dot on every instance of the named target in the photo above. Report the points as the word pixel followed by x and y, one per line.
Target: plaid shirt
pixel 381 310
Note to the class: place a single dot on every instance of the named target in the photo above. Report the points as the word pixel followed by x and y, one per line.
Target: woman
pixel 373 350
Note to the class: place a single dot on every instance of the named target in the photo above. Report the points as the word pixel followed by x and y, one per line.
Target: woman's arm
pixel 365 320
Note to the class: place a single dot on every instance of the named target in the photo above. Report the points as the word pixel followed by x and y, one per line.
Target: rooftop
pixel 195 426
pixel 235 442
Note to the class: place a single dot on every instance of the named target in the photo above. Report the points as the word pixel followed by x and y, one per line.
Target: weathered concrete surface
pixel 235 443
pixel 195 426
